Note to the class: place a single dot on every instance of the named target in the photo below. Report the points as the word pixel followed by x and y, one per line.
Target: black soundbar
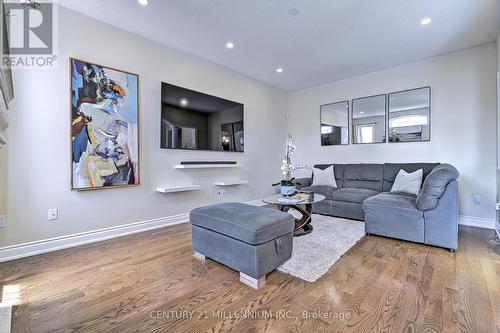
pixel 207 162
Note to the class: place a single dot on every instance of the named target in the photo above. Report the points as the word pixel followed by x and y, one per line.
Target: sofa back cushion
pixel 391 171
pixel 338 170
pixel 378 177
pixel 368 176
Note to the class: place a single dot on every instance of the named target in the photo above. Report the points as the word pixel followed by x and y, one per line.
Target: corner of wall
pixel 497 225
pixel 3 181
pixel 498 51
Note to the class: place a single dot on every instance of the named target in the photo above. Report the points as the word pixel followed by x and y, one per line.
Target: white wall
pixel 463 120
pixel 3 181
pixel 39 138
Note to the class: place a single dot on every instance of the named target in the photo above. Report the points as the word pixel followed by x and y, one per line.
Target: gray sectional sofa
pixel 363 193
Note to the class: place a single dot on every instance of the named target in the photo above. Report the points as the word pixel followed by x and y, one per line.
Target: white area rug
pixel 314 254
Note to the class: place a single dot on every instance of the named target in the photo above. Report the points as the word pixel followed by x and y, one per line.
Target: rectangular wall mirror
pixel 368 118
pixel 335 124
pixel 409 115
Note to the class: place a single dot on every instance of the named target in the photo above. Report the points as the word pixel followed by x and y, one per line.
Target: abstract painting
pixel 104 127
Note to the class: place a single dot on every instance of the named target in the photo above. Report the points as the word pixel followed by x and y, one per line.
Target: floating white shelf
pixel 179 188
pixel 231 182
pixel 206 166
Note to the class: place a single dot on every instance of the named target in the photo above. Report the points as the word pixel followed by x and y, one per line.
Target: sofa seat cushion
pixel 250 224
pixel 394 200
pixel 353 195
pixel 394 215
pixel 327 191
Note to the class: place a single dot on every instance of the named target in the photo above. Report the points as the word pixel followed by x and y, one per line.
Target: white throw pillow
pixel 324 177
pixel 408 182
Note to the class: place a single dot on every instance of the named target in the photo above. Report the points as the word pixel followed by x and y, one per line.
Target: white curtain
pixel 6 87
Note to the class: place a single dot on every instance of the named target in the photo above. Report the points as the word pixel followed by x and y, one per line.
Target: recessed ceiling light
pixel 279 70
pixel 229 45
pixel 184 102
pixel 143 2
pixel 362 112
pixel 425 21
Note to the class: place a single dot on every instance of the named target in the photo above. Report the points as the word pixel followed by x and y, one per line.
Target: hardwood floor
pixel 150 282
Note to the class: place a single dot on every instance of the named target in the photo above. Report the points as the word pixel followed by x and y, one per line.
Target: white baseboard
pixel 478 222
pixel 59 243
pixel 19 251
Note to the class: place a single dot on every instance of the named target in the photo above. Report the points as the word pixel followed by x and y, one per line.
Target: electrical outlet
pixel 476 198
pixel 53 214
pixel 3 222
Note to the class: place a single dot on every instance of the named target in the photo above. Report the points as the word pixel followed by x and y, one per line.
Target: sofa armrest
pixel 304 182
pixel 441 223
pixel 434 186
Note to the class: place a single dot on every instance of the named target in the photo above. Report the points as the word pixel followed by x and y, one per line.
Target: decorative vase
pixel 287 189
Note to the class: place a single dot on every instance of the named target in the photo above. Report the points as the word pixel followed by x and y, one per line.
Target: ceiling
pixel 327 40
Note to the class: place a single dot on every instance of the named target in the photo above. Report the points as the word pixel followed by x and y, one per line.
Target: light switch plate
pixel 3 221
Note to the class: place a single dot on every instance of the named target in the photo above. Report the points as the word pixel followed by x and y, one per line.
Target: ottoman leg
pixel 199 256
pixel 252 282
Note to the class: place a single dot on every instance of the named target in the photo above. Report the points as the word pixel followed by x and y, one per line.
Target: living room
pixel 147 201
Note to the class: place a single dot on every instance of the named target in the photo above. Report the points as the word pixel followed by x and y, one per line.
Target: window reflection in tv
pixel 197 121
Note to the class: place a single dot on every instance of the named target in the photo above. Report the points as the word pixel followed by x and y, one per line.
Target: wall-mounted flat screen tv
pixel 197 121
